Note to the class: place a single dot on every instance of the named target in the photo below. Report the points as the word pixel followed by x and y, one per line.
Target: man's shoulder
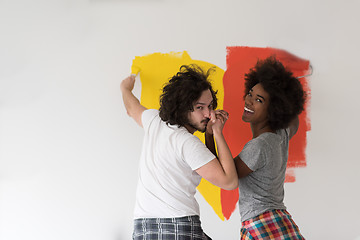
pixel 181 133
pixel 147 116
pixel 150 112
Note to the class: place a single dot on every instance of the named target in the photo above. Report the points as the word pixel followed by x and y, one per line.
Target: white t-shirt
pixel 167 180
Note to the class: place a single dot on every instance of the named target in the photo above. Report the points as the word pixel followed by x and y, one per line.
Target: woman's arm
pixel 220 171
pixel 293 126
pixel 209 135
pixel 242 169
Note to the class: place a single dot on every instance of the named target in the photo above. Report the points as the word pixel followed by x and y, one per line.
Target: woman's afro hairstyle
pixel 287 97
pixel 181 92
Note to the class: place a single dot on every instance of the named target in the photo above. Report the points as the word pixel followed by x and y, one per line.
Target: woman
pixel 273 100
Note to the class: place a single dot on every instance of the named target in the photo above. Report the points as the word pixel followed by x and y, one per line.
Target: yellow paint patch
pixel 155 70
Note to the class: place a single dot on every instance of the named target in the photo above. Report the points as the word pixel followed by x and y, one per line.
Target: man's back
pixel 167 179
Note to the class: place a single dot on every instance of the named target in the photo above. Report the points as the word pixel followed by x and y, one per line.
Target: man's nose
pixel 207 112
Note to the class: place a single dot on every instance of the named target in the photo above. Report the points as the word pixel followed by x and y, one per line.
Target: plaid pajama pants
pixel 275 224
pixel 183 228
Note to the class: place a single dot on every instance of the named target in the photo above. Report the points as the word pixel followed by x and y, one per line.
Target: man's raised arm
pixel 133 107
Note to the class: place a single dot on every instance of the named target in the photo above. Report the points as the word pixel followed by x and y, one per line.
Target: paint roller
pixel 135 70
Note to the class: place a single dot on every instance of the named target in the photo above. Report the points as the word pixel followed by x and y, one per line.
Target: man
pixel 173 160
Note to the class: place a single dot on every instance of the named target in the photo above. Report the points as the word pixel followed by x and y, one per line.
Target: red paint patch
pixel 237 133
pixel 229 200
pixel 290 175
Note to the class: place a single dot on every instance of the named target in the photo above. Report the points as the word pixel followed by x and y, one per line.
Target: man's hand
pixel 128 83
pixel 218 118
pixel 221 170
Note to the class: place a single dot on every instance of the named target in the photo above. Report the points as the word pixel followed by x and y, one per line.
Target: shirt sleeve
pixel 195 153
pixel 253 154
pixel 147 116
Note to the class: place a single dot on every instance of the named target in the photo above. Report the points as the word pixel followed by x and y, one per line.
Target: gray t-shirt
pixel 263 189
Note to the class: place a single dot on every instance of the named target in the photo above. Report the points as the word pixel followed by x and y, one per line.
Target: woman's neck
pixel 257 130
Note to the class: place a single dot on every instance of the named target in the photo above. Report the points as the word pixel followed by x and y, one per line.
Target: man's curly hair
pixel 287 97
pixel 181 92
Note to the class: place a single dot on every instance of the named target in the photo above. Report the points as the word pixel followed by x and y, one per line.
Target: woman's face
pixel 256 105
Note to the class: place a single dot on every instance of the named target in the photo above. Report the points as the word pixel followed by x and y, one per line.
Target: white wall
pixel 68 151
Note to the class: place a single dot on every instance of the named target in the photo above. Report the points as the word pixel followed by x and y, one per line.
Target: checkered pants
pixel 275 224
pixel 183 228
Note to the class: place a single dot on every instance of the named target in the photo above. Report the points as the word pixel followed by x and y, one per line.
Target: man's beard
pixel 198 128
